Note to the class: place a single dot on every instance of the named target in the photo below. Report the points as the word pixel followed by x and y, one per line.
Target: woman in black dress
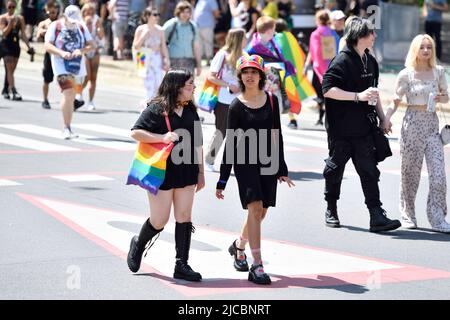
pixel 13 29
pixel 181 181
pixel 255 114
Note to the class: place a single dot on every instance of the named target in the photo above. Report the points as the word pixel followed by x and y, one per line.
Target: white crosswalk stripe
pixel 32 144
pixel 104 137
pixel 85 139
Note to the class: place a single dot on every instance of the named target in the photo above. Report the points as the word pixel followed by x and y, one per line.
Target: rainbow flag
pixel 139 59
pixel 208 96
pixel 297 86
pixel 148 168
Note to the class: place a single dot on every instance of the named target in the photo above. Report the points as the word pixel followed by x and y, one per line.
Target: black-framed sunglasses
pixel 11 7
pixel 155 14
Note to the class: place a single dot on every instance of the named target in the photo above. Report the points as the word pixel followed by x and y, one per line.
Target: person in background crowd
pixel 205 14
pixel 223 24
pixel 183 40
pixel 323 46
pixel 150 40
pixel 244 16
pixel 95 27
pixel 52 10
pixel 67 40
pixel 338 22
pixel 223 73
pixel 119 13
pixel 30 14
pixel 433 21
pixel 347 87
pixel 420 133
pixel 253 110
pixel 270 9
pixel 12 27
pixel 285 8
pixel 173 104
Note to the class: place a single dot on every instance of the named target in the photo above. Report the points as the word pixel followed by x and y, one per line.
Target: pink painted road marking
pixel 391 272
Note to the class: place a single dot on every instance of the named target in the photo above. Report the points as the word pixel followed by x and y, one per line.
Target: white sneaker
pixel 443 227
pixel 408 223
pixel 209 167
pixel 72 134
pixel 91 106
pixel 66 134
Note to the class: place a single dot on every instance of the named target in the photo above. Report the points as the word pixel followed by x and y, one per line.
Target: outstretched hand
pixel 287 180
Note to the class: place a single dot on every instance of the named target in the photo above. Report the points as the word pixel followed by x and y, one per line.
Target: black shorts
pixel 47 72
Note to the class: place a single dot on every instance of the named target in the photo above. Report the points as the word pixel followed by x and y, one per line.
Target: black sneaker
pixel 240 259
pixel 332 219
pixel 184 271
pixel 293 124
pixel 77 104
pixel 46 104
pixel 319 123
pixel 258 276
pixel 380 222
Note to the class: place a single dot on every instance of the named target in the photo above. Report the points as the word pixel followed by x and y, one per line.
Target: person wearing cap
pixel 338 22
pixel 348 86
pixel 253 134
pixel 67 40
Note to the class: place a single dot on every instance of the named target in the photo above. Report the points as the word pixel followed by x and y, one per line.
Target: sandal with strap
pixel 240 260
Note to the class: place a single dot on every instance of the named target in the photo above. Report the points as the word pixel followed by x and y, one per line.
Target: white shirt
pixel 228 75
pixel 67 40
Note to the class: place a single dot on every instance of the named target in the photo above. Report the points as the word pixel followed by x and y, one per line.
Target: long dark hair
pixel 169 89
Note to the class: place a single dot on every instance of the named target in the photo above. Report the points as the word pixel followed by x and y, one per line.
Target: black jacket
pixel 347 72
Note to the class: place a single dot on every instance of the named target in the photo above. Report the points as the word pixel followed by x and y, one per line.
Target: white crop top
pixel 417 90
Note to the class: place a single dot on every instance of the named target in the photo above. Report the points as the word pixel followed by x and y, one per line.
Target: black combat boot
pixel 139 243
pixel 380 222
pixel 331 218
pixel 182 270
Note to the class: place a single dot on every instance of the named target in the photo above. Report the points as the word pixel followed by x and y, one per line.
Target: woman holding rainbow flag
pixel 172 109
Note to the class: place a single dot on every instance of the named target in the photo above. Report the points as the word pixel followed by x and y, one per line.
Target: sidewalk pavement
pixel 122 74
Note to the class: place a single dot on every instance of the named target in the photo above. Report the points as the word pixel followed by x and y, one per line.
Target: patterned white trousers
pixel 420 138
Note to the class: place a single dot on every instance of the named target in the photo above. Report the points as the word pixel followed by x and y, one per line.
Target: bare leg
pixel 68 97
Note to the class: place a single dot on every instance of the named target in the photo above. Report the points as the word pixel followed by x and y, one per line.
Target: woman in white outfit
pixel 420 133
pixel 223 73
pixel 150 44
pixel 94 25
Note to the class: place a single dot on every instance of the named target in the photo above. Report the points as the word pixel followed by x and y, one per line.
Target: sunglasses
pixel 11 7
pixel 155 14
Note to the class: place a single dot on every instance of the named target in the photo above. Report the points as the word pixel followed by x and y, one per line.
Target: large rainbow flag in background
pixel 149 165
pixel 297 86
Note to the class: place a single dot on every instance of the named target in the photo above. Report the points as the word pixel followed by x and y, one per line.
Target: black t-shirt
pixel 347 72
pixel 241 117
pixel 188 127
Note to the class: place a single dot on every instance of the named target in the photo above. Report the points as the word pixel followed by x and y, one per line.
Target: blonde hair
pixel 413 53
pixel 233 45
pixel 264 24
pixel 86 7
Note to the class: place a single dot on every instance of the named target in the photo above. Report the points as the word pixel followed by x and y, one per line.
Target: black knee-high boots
pixel 182 270
pixel 138 244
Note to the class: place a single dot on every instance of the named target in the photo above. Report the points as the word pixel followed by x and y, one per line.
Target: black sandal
pixel 239 264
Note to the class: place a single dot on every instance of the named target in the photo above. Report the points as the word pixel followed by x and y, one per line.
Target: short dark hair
pixel 262 81
pixel 357 28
